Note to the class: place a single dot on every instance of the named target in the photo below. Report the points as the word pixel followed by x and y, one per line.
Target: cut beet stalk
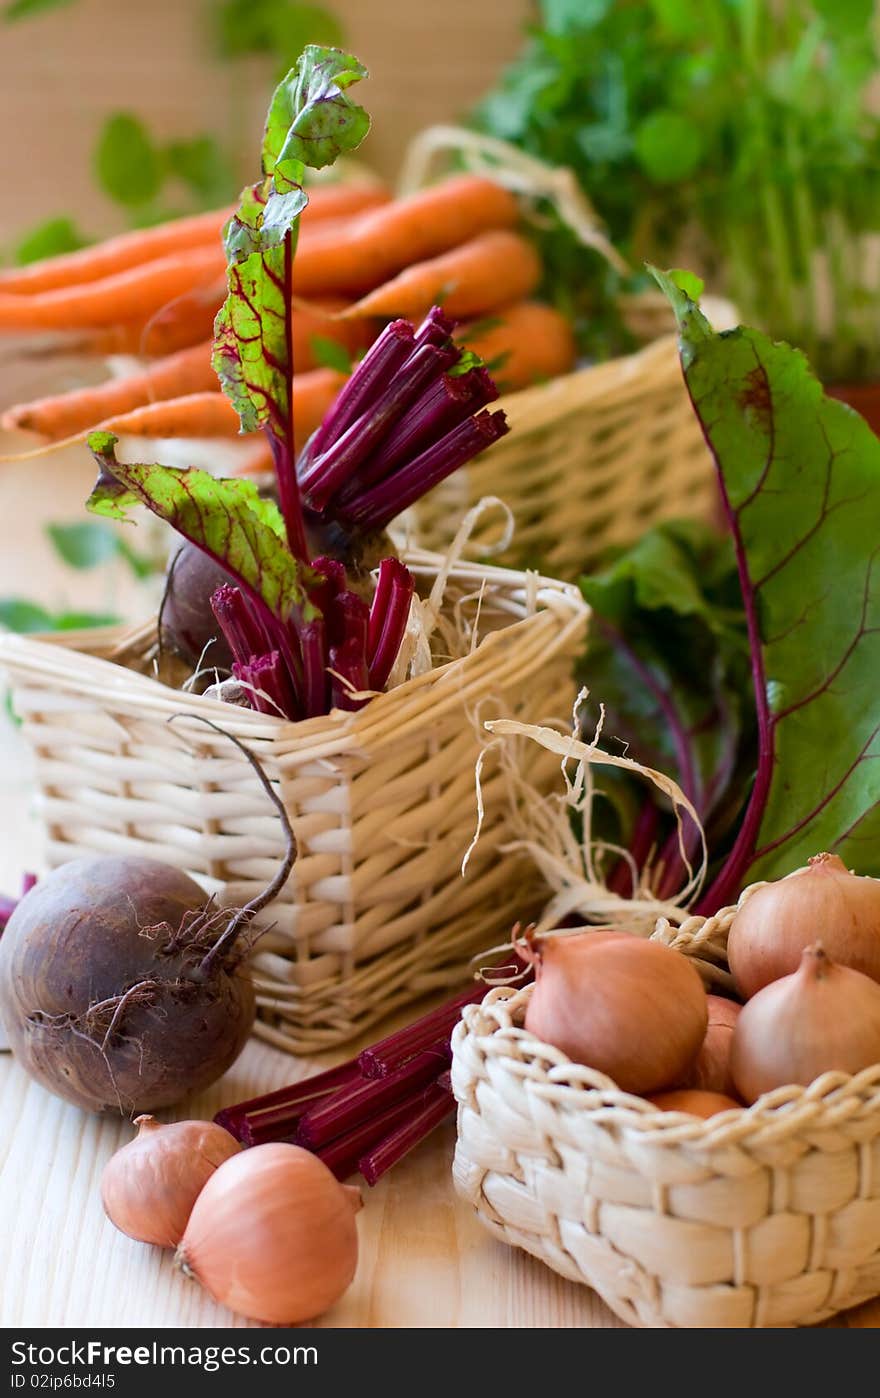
pixel 342 1155
pixel 388 570
pixel 312 639
pixel 387 1056
pixel 232 1120
pixel 393 629
pixel 268 684
pixel 381 362
pixel 295 1093
pixel 436 1106
pixel 239 623
pixel 435 329
pixel 361 1102
pixel 330 471
pixel 443 406
pixel 377 507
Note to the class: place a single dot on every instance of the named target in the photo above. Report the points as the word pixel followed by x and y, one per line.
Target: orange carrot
pixel 65 414
pixel 212 414
pixel 137 292
pixel 183 321
pixel 489 271
pixel 177 375
pixel 343 200
pixel 370 249
pixel 117 254
pixel 529 341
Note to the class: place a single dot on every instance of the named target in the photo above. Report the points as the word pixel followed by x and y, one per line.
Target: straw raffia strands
pixel 766 1216
pixel 382 801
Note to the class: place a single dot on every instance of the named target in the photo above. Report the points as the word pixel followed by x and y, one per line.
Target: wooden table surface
pixel 424 1258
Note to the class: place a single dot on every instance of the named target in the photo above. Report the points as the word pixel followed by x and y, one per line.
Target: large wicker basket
pixel 382 800
pixel 767 1216
pixel 596 456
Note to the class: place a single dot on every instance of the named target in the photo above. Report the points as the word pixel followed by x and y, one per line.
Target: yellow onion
pixel 148 1188
pixel 273 1235
pixel 628 1007
pixel 821 901
pixel 711 1070
pixel 694 1102
pixel 822 1018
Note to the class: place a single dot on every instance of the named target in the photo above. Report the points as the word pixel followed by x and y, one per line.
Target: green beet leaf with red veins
pixel 763 702
pixel 302 624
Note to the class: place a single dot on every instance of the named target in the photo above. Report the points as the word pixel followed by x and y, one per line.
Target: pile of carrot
pixel 362 259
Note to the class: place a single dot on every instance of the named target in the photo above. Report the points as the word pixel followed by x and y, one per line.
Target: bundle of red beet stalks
pixel 410 415
pixel 367 1114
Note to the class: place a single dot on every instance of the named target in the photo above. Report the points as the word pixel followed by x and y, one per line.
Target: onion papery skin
pixel 821 902
pixel 711 1069
pixel 624 1006
pixel 149 1187
pixel 695 1102
pixel 273 1235
pixel 823 1018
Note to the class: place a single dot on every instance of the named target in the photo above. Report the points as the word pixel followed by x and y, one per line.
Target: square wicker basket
pixel 766 1216
pixel 382 801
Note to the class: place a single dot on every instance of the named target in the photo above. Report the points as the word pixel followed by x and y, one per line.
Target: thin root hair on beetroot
pixel 122 983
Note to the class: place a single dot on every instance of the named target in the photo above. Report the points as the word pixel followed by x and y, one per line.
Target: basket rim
pixel 53 655
pixel 494 1029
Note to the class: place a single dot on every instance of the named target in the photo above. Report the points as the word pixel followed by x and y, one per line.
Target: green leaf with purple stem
pixel 800 478
pixel 311 121
pixel 227 519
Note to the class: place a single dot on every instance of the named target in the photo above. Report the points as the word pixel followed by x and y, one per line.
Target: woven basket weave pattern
pixel 382 801
pixel 594 458
pixel 765 1217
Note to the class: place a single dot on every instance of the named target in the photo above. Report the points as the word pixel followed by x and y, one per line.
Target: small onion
pixel 694 1102
pixel 273 1235
pixel 825 1017
pixel 823 900
pixel 148 1188
pixel 711 1070
pixel 628 1007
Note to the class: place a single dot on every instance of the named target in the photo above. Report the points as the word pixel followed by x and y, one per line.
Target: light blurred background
pixel 187 72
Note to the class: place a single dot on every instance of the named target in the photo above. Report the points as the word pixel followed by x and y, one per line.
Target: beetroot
pixel 122 986
pixel 187 624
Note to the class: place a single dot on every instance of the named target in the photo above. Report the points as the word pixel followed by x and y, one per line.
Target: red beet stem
pixel 353 1106
pixel 330 471
pixel 393 629
pixel 342 1155
pixel 378 366
pixel 291 1097
pixel 436 1106
pixel 389 1054
pixel 378 506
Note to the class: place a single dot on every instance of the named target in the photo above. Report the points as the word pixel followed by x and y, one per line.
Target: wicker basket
pixel 766 1216
pixel 597 456
pixel 382 801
